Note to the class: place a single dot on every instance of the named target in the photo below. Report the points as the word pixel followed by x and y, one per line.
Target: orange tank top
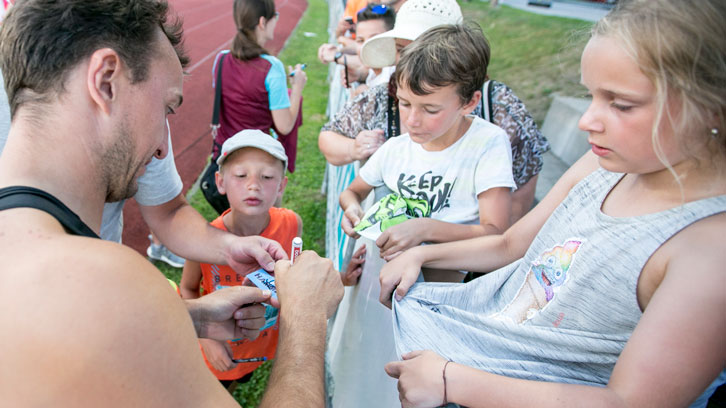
pixel 282 228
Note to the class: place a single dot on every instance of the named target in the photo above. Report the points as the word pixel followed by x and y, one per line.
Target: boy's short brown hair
pixel 451 54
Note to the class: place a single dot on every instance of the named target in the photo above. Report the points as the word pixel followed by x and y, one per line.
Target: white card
pixel 264 281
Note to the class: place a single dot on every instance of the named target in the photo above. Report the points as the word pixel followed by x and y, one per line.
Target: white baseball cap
pixel 253 138
pixel 413 19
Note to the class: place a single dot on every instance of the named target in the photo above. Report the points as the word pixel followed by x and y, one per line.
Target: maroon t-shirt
pixel 245 102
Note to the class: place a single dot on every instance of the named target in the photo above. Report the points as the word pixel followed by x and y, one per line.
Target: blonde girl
pixel 611 291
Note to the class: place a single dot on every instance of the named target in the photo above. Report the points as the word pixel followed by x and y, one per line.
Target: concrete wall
pixel 568 142
pixel 560 128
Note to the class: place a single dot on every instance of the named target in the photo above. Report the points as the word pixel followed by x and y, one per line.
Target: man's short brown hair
pixel 450 54
pixel 42 40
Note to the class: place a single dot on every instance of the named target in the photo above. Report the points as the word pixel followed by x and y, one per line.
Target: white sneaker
pixel 162 253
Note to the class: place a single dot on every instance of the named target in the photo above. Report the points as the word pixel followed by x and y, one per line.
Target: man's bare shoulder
pixel 96 314
pixel 40 247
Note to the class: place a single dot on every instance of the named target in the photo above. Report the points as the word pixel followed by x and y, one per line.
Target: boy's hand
pixel 355 267
pixel 399 275
pixel 401 237
pixel 366 143
pixel 351 217
pixel 218 353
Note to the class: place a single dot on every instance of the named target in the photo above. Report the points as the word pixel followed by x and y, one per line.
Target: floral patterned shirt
pixel 369 111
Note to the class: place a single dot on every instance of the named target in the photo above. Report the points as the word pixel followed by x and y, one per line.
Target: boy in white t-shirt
pixel 460 165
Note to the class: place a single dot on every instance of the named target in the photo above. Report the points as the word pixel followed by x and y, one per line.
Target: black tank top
pixel 29 197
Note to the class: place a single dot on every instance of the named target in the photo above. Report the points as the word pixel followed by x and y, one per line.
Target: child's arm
pixel 285 118
pixel 481 254
pixel 218 353
pixel 674 353
pixel 494 213
pixel 299 226
pixel 355 267
pixel 350 200
pixel 191 277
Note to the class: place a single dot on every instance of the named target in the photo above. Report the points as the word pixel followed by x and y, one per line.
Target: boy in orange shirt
pixel 252 175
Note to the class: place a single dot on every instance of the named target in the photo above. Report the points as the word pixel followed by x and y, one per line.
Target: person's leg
pixel 158 252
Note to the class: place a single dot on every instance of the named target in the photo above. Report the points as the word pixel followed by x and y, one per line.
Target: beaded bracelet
pixel 443 374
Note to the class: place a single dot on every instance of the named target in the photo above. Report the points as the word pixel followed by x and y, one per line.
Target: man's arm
pixel 309 293
pixel 185 232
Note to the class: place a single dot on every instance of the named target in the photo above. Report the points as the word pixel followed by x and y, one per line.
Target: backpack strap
pixel 30 197
pixel 486 101
pixel 217 105
pixel 394 118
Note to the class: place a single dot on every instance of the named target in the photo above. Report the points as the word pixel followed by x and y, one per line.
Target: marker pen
pixel 302 67
pixel 296 249
pixel 250 360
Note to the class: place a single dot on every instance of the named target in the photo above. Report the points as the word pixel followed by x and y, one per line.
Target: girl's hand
pixel 399 275
pixel 401 237
pixel 366 143
pixel 300 77
pixel 355 267
pixel 351 217
pixel 219 354
pixel 420 379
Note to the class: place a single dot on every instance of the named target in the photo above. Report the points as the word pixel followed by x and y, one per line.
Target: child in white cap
pixel 252 175
pixel 412 20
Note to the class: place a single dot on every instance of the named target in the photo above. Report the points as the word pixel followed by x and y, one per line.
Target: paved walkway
pixel 587 11
pixel 208 28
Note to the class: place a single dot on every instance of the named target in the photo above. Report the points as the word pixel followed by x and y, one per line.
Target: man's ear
pixel 104 70
pixel 471 105
pixel 219 179
pixel 262 23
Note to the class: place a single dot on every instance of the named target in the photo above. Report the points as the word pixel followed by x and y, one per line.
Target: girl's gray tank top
pixel 563 312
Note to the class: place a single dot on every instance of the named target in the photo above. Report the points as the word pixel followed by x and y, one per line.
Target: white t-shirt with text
pixel 450 179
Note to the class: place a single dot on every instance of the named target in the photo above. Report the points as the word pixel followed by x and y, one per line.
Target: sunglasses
pixel 378 9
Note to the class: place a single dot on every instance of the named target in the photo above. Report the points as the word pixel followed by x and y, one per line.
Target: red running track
pixel 208 28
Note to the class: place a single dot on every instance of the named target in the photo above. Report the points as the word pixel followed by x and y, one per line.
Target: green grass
pixel 536 56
